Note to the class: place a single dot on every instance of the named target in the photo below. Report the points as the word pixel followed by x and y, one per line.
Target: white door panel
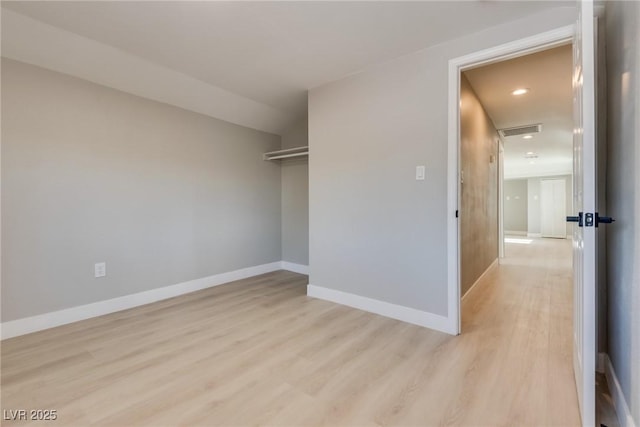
pixel 584 202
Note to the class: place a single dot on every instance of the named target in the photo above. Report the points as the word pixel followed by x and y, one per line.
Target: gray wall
pixel 623 196
pixel 374 230
pixel 295 197
pixel 515 206
pixel 92 174
pixel 479 197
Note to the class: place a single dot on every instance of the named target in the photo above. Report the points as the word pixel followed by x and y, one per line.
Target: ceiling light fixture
pixel 520 91
pixel 527 137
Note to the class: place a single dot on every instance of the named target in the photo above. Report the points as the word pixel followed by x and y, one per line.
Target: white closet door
pixel 553 202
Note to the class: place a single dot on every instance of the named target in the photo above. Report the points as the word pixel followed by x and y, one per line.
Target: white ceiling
pixel 548 76
pixel 269 53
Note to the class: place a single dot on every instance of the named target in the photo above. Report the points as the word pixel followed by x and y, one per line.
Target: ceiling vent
pixel 521 130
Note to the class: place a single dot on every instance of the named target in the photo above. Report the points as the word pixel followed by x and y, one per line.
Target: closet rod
pixel 286 156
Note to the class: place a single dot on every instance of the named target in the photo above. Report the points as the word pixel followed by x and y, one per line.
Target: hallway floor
pixel 259 351
pixel 520 318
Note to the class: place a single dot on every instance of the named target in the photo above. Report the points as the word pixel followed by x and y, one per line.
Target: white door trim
pixel 539 42
pixel 501 199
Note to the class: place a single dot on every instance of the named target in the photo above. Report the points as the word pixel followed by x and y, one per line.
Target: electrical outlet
pixel 100 269
pixel 420 173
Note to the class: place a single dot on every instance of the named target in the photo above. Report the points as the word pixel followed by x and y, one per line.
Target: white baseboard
pixel 296 268
pixel 534 234
pixel 514 233
pixel 619 403
pixel 491 267
pixel 40 322
pixel 398 312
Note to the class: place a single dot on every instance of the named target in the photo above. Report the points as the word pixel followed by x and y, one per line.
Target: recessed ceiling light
pixel 531 162
pixel 520 91
pixel 527 137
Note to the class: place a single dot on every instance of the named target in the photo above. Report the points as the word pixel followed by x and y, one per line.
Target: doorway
pixel 529 100
pixel 522 108
pixel 456 175
pixel 583 37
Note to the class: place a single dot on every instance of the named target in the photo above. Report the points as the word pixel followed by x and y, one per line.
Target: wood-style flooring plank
pixel 260 352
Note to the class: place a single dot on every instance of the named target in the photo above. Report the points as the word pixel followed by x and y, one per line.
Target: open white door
pixel 584 203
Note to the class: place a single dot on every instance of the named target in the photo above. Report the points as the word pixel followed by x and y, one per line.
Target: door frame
pixel 543 41
pixel 500 199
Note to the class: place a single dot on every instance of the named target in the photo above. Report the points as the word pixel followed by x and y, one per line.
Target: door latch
pixel 588 219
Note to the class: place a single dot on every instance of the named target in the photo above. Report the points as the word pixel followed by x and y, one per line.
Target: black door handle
pixel 577 219
pixel 603 219
pixel 591 219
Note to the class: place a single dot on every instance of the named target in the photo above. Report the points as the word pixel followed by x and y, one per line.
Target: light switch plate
pixel 100 269
pixel 420 173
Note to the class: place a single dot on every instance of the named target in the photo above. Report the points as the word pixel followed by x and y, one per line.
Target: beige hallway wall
pixel 479 208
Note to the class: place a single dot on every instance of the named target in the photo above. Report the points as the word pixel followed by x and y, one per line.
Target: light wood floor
pixel 259 351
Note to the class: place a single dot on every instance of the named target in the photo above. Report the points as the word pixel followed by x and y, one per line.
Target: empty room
pixel 320 213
